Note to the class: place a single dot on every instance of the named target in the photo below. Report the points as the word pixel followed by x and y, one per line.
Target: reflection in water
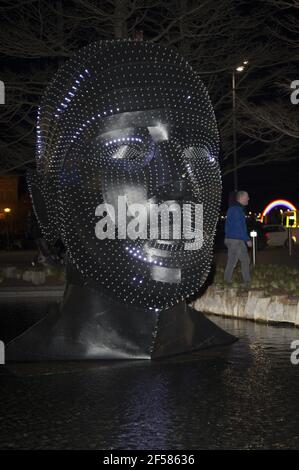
pixel 241 396
pixel 145 413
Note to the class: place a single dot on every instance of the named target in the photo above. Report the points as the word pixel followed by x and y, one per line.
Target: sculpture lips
pixel 180 225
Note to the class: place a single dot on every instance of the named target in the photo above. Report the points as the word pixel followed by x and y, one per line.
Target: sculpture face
pixel 129 121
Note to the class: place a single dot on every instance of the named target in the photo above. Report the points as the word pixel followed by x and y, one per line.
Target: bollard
pixel 253 235
pixel 290 241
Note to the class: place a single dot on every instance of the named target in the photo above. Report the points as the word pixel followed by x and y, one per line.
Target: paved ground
pixel 268 256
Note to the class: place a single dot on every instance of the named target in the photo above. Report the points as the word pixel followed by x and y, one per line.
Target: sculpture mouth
pixel 179 226
pixel 169 248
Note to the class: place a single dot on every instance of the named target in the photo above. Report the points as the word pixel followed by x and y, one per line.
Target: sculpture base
pixel 89 326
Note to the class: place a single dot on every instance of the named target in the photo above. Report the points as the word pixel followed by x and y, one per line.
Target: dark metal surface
pixel 90 326
pixel 126 121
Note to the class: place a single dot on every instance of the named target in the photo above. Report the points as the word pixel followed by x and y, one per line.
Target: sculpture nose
pixel 176 190
pixel 173 165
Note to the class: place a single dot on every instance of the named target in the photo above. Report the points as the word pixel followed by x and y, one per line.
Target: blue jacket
pixel 235 224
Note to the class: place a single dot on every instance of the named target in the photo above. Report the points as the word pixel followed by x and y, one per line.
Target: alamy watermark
pixel 2 92
pixel 168 221
pixel 295 94
pixel 295 353
pixel 2 353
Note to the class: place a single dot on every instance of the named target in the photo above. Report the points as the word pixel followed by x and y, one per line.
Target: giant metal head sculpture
pixel 128 121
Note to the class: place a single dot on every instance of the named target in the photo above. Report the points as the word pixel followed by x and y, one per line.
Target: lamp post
pixel 253 235
pixel 7 212
pixel 290 238
pixel 240 68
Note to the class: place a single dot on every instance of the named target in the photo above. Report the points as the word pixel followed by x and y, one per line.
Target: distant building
pixel 14 207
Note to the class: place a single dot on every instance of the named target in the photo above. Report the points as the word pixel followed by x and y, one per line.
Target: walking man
pixel 237 239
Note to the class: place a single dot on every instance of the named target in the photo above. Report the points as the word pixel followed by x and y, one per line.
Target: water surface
pixel 244 396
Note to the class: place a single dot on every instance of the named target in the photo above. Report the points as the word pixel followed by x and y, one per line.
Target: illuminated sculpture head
pixel 131 119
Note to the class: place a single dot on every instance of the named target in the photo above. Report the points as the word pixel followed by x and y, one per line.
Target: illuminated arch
pixel 276 203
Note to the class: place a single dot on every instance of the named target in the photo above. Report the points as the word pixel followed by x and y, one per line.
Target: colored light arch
pixel 276 203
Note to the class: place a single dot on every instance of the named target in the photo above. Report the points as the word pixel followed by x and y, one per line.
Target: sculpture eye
pixel 127 147
pixel 114 144
pixel 130 136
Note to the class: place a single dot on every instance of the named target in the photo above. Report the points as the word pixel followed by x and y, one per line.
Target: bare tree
pixel 36 36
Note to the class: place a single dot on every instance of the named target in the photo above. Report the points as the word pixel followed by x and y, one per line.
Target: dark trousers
pixel 237 250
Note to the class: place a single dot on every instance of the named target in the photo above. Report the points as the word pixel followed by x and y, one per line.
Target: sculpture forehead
pixel 122 71
pixel 139 117
pixel 114 84
pixel 151 119
pixel 113 57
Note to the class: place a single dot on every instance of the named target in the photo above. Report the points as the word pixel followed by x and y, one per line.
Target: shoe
pixel 227 283
pixel 245 286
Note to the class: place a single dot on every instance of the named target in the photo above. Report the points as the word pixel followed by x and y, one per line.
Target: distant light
pixel 240 68
pixel 7 210
pixel 245 62
pixel 253 234
pixel 276 203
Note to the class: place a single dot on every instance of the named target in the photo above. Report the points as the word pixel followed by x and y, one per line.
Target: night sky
pixel 265 183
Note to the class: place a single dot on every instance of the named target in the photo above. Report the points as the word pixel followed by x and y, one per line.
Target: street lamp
pixel 253 235
pixel 7 211
pixel 240 69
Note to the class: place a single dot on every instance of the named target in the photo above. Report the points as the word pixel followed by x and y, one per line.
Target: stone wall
pixel 252 305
